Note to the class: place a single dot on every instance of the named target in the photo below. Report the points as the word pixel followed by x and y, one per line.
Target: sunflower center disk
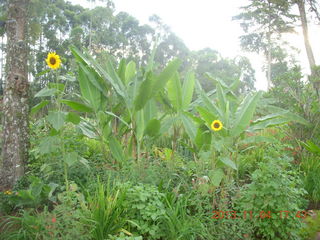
pixel 216 125
pixel 52 61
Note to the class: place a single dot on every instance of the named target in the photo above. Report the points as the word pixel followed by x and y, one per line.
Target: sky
pixel 208 23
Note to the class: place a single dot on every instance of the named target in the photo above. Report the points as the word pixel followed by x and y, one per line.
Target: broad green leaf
pixel 150 110
pixel 116 149
pixel 80 107
pixel 166 124
pixel 114 79
pixel 272 122
pixel 311 147
pixel 145 93
pixel 203 137
pixel 152 128
pixel 71 158
pixel 122 70
pixel 94 78
pixel 46 92
pixel 245 113
pixel 187 90
pixel 49 144
pixel 206 115
pixel 56 119
pixel 59 86
pixel 115 116
pixel 221 98
pixel 88 90
pixel 161 80
pixel 73 118
pixel 89 61
pixel 175 91
pixel 40 105
pixel 215 79
pixel 87 129
pixel 140 124
pixel 42 73
pixel 130 72
pixel 207 102
pixel 189 126
pixel 227 161
pixel 216 177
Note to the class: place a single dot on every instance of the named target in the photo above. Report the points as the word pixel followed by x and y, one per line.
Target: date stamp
pixel 283 214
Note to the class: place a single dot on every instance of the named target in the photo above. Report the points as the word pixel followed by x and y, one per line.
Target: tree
pixel 304 25
pixel 263 22
pixel 15 102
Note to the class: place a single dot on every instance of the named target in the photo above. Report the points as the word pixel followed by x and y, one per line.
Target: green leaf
pixel 59 86
pixel 165 75
pixel 88 90
pixel 80 107
pixel 56 119
pixel 206 115
pixel 42 73
pixel 175 91
pixel 245 113
pixel 130 71
pixel 122 70
pixel 221 98
pixel 71 158
pixel 227 161
pixel 145 93
pixel 216 177
pixel 311 147
pixel 49 144
pixel 46 92
pixel 73 118
pixel 189 127
pixel 40 105
pixel 153 128
pixel 87 129
pixel 116 149
pixel 203 137
pixel 187 90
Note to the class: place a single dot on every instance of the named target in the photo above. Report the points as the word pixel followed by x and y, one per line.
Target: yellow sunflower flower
pixel 8 192
pixel 216 125
pixel 53 60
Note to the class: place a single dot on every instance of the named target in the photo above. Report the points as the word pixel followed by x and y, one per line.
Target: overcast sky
pixel 206 23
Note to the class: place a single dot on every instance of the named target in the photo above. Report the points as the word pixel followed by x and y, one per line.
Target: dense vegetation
pixel 134 136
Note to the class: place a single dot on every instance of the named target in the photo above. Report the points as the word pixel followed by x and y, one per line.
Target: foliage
pixel 178 223
pixel 273 191
pixel 64 221
pixel 146 208
pixel 105 211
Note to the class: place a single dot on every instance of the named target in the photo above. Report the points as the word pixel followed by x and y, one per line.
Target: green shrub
pixel 145 208
pixel 272 191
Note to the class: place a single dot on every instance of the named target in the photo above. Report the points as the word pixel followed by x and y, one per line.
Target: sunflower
pixel 53 60
pixel 216 125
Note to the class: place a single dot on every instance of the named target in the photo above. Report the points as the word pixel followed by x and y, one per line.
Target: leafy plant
pixel 105 211
pixel 274 191
pixel 146 209
pixel 178 223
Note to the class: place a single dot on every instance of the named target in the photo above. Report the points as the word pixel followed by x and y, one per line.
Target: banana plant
pixel 236 115
pixel 122 98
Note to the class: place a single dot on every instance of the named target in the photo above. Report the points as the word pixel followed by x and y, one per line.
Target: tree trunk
pixel 269 49
pixel 15 104
pixel 304 23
